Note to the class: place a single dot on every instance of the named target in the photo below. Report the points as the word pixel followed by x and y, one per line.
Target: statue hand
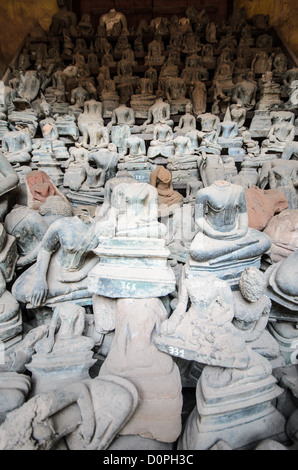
pixel 39 293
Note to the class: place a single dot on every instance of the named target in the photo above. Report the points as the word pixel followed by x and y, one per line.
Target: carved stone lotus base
pixel 11 331
pixel 92 198
pixel 228 271
pixel 239 414
pixel 132 268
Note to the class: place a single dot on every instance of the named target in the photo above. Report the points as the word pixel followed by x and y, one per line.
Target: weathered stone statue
pixel 155 55
pixel 144 97
pixel 282 175
pixel 114 22
pixel 204 331
pixel 124 115
pixel 261 63
pixel 85 27
pixel 281 133
pixel 187 121
pixel 63 262
pixel 134 356
pixel 281 284
pixel 245 92
pixel 64 355
pixel 269 94
pixel 17 146
pixel 64 19
pixel 162 142
pixel 221 394
pixel 224 238
pixel 198 96
pixel 134 159
pixel 72 404
pixel 283 233
pixel 211 168
pixel 251 313
pixel 248 175
pixel 92 114
pixel 130 224
pixel 160 110
pixel 175 92
pixel 161 179
pixel 228 132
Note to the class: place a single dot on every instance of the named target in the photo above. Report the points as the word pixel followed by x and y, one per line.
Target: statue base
pixel 11 331
pixel 88 198
pixel 184 176
pixel 229 271
pixel 131 268
pixel 139 171
pixel 223 358
pixel 51 371
pixel 240 415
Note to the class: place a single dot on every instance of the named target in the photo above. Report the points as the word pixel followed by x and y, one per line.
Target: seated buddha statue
pixel 63 262
pixel 162 142
pixel 223 233
pixel 159 110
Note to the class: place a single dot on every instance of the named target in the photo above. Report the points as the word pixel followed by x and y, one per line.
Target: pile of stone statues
pixel 153 168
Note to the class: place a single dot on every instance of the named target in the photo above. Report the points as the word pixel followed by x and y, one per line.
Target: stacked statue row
pixel 126 229
pixel 178 90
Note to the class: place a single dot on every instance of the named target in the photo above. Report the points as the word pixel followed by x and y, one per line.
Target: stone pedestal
pixel 139 171
pixel 239 414
pixel 228 271
pixel 50 371
pixel 46 161
pixel 11 331
pixel 234 145
pixel 185 175
pixel 132 268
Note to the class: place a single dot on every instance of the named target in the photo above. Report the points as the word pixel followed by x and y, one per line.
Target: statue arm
pixel 169 326
pixel 143 146
pixel 261 323
pixel 48 246
pixel 39 228
pixel 10 177
pixel 201 222
pixel 180 124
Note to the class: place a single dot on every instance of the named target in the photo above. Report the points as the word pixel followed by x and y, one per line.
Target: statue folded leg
pixel 253 244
